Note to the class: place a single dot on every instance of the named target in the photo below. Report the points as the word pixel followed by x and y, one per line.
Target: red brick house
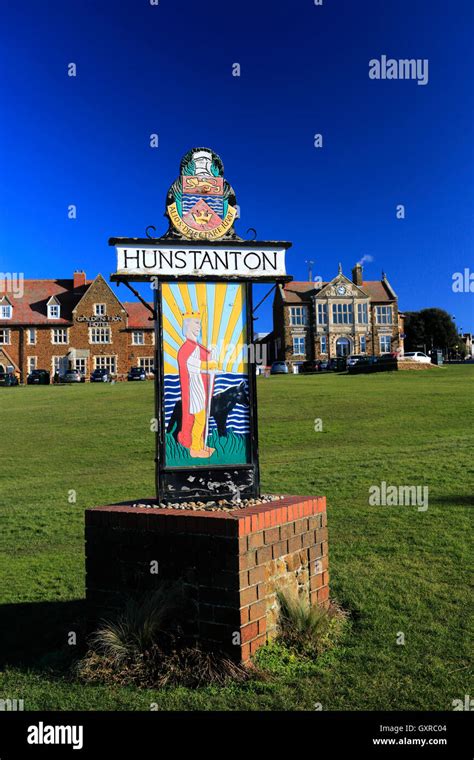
pixel 73 323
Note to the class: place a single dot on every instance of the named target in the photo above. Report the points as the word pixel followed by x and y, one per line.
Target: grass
pixel 230 449
pixel 396 569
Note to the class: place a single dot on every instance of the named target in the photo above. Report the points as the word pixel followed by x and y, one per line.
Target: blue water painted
pixel 238 419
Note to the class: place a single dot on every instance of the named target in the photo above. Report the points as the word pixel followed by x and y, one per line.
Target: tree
pixel 430 328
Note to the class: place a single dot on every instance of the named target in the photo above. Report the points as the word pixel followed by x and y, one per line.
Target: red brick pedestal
pixel 232 563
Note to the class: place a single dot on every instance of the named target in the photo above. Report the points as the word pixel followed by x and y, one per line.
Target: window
pixel 138 338
pixel 5 311
pixel 106 362
pixel 299 346
pixel 362 314
pixel 363 344
pixel 385 344
pixel 80 365
pixel 56 364
pixel 147 363
pixel 100 309
pixel 324 344
pixel 297 316
pixel 322 313
pixel 4 337
pixel 99 335
pixel 153 338
pixel 31 335
pixel 32 360
pixel 54 311
pixel 383 315
pixel 342 313
pixel 59 335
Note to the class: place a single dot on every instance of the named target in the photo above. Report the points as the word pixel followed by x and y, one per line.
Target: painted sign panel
pixel 205 367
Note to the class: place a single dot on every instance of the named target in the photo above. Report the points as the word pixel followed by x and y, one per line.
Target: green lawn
pixel 396 569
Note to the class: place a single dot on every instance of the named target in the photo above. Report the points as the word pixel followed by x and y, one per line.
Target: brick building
pixel 73 323
pixel 323 320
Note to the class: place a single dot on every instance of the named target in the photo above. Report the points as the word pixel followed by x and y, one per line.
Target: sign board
pixel 202 272
pixel 177 261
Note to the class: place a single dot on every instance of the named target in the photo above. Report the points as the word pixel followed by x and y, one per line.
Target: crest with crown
pixel 201 204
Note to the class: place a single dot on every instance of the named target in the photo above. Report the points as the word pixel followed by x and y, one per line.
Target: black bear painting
pixel 222 405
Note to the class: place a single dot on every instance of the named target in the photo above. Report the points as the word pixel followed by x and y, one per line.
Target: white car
pixel 417 356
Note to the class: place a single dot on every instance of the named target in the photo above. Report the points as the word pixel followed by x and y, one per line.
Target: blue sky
pixel 167 69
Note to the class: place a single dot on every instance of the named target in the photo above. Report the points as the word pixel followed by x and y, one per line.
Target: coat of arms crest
pixel 201 204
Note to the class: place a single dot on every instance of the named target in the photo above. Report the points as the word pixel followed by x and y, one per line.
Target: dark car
pixel 72 376
pixel 279 368
pixel 38 377
pixel 136 373
pixel 338 364
pixel 309 367
pixel 100 376
pixel 8 379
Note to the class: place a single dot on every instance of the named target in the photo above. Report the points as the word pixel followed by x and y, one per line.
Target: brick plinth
pixel 232 563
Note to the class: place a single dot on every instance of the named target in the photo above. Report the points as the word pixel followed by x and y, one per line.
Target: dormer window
pixel 54 309
pixel 6 309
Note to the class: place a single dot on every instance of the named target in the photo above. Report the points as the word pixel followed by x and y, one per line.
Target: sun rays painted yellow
pixel 215 307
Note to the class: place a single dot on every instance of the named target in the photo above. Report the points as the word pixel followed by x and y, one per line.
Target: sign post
pixel 208 524
pixel 202 274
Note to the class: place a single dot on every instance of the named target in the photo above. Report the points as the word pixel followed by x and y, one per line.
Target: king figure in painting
pixel 195 364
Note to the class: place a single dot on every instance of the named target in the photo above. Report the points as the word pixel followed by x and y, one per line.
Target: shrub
pixel 309 630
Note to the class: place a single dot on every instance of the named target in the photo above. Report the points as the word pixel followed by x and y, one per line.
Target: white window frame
pixel 100 309
pixel 5 336
pixel 384 338
pixel 100 335
pixel 55 364
pixel 324 344
pixel 31 363
pixel 135 341
pixel 6 311
pixel 31 336
pixel 80 362
pixel 342 314
pixel 53 307
pixel 297 339
pixel 322 313
pixel 56 332
pixel 298 316
pixel 147 363
pixel 102 361
pixel 383 315
pixel 362 313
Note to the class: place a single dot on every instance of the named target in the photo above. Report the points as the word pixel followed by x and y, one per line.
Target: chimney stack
pixel 79 278
pixel 357 275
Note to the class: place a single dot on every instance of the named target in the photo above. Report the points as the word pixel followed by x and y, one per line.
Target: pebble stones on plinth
pixel 208 524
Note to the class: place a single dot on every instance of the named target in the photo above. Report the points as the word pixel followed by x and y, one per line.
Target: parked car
pixel 417 356
pixel 38 377
pixel 323 365
pixel 100 376
pixel 354 358
pixel 72 376
pixel 136 373
pixel 8 379
pixel 309 367
pixel 279 368
pixel 338 364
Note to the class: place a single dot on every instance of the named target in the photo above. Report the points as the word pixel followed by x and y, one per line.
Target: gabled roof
pixel 138 315
pixel 32 308
pixel 302 292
